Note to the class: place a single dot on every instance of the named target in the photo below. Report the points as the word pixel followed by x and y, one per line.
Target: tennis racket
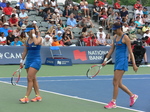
pixel 16 76
pixel 95 69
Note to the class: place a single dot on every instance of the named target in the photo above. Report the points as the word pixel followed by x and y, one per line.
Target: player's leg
pixel 116 80
pixel 31 77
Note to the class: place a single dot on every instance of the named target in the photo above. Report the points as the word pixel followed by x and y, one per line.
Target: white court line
pixel 75 97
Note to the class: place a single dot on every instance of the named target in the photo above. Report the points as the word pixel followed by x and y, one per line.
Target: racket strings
pixel 93 71
pixel 16 77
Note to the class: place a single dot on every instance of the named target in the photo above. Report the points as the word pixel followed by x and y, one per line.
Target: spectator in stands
pixel 59 28
pixel 53 3
pixel 145 11
pixel 69 33
pixel 147 40
pixel 109 41
pixel 110 11
pixel 132 31
pixel 138 25
pixel 55 42
pixel 17 32
pixel 92 41
pixel 101 4
pixel 2 4
pixel 105 4
pixel 59 11
pixel 38 3
pixel 47 41
pixel 29 5
pixel 137 4
pixel 117 5
pixel 23 16
pixel 47 15
pixel 3 18
pixel 82 23
pixel 16 42
pixel 69 3
pixel 147 33
pixel 110 20
pixel 46 3
pixel 25 22
pixel 124 12
pixel 23 37
pixel 79 17
pixel 5 29
pixel 101 39
pixel 138 12
pixel 89 23
pixel 66 11
pixel 10 37
pixel 125 28
pixel 103 16
pixel 101 36
pixel 75 10
pixel 1 24
pixel 7 10
pixel 145 18
pixel 23 27
pixel 66 40
pixel 13 21
pixel 84 7
pixel 124 20
pixel 14 11
pixel 52 23
pixel 80 41
pixel 71 21
pixel 21 5
pixel 96 10
pixel 145 27
pixel 3 40
pixel 59 35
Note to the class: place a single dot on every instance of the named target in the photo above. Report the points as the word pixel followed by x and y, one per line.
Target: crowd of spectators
pixel 71 24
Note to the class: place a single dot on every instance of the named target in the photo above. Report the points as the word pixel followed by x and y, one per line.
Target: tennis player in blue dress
pixel 121 45
pixel 32 63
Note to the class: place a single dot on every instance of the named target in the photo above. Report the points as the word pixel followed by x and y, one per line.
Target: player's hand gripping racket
pixel 16 76
pixel 95 69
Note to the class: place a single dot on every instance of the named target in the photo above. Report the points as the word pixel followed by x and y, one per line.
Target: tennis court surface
pixel 69 90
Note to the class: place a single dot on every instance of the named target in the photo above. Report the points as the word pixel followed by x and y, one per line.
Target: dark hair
pixel 13 15
pixel 84 29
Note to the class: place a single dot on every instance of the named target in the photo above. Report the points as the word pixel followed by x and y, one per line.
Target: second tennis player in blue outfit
pixel 32 63
pixel 121 44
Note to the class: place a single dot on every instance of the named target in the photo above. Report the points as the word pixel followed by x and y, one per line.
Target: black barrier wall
pixel 78 55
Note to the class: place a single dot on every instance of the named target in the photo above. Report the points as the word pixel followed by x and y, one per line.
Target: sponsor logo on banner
pixel 9 55
pixel 80 55
pixel 89 55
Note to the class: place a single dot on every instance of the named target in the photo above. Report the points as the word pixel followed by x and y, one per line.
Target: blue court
pixel 98 89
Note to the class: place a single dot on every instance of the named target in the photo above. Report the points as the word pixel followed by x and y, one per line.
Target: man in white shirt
pixel 47 41
pixel 101 36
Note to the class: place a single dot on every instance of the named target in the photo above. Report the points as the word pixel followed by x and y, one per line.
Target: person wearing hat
pixel 7 10
pixel 47 41
pixel 10 37
pixel 120 44
pixel 5 29
pixel 101 33
pixel 32 64
pixel 59 35
pixel 52 23
pixel 16 42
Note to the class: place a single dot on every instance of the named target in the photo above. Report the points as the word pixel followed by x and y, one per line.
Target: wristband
pixel 105 59
pixel 21 61
pixel 33 35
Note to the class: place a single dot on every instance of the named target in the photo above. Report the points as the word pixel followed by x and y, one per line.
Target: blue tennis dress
pixel 121 56
pixel 33 58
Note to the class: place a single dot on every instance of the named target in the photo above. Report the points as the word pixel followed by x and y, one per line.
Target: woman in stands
pixel 32 64
pixel 121 44
pixel 84 7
